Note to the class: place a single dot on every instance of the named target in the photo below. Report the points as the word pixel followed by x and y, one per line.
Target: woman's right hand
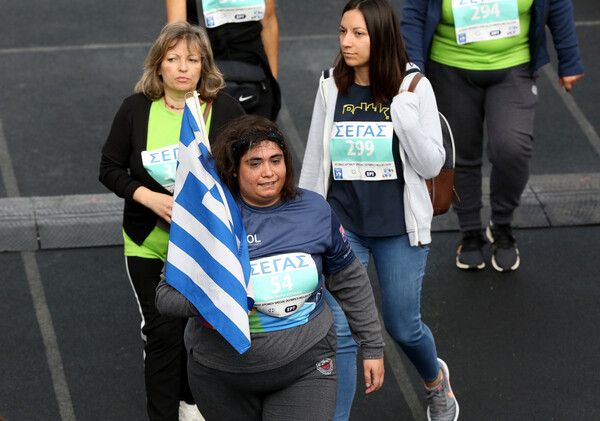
pixel 159 203
pixel 374 371
pixel 568 81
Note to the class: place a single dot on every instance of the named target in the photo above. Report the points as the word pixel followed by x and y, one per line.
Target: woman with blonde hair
pixel 138 164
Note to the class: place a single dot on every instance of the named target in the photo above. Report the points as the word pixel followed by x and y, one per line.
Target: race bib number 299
pixel 362 151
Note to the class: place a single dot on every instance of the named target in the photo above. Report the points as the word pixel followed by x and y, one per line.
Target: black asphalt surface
pixel 520 346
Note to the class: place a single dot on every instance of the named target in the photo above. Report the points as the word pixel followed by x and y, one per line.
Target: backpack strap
pixel 413 83
pixel 325 162
pixel 327 73
pixel 411 79
pixel 207 111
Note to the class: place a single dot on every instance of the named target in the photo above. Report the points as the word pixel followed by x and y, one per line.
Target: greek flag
pixel 207 259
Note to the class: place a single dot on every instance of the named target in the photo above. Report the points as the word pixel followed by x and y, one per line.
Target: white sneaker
pixel 189 412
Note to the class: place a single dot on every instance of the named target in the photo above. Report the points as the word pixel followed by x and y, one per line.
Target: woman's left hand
pixel 568 81
pixel 374 371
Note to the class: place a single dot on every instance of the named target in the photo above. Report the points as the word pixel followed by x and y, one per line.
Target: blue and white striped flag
pixel 207 259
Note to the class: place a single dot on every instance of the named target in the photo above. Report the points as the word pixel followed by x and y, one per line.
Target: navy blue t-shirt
pixel 367 187
pixel 300 238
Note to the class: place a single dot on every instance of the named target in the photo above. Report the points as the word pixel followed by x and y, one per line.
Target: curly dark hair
pixel 239 136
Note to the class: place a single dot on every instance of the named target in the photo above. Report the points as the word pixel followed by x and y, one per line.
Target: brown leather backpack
pixel 441 188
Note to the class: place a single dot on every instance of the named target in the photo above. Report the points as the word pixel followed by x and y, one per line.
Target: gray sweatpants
pixel 304 389
pixel 505 99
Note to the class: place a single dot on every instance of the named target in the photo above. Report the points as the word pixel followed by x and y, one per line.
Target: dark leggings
pixel 165 358
pixel 304 389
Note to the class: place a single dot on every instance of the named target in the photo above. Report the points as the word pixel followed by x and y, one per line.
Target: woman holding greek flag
pixel 138 164
pixel 297 246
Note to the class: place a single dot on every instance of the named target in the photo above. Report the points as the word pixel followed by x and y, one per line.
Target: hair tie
pixel 256 136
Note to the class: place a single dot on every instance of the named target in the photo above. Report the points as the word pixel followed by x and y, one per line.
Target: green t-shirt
pixel 496 21
pixel 160 160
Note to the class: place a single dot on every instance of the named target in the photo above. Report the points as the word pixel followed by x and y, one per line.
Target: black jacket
pixel 121 167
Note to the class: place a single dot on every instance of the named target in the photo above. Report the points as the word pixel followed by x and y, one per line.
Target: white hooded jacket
pixel 416 124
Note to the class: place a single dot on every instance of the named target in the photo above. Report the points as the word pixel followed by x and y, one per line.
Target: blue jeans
pixel 400 269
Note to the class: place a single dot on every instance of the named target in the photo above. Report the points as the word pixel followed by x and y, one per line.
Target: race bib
pixel 161 164
pixel 220 12
pixel 362 151
pixel 282 283
pixel 485 20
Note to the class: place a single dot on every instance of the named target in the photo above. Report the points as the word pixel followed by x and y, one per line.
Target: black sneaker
pixel 505 254
pixel 469 254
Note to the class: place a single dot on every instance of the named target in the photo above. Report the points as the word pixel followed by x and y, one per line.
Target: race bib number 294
pixel 485 20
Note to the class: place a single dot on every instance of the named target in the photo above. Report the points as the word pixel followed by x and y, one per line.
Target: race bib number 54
pixel 283 283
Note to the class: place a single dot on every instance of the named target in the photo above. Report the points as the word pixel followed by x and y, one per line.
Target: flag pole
pixel 200 120
pixel 202 126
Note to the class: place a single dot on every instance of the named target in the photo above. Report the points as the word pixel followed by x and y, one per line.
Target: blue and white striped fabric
pixel 207 259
